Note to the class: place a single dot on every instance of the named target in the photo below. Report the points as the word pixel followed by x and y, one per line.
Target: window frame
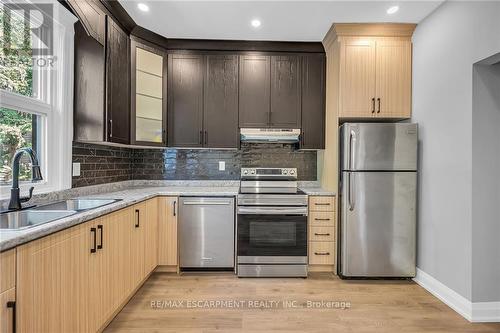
pixel 54 103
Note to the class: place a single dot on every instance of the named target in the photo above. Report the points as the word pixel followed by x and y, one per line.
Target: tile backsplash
pixel 101 164
pixel 105 164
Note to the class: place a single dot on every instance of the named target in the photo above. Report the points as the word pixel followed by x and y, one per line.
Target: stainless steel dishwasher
pixel 206 232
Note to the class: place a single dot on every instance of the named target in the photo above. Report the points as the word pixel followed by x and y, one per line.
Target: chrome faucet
pixel 36 175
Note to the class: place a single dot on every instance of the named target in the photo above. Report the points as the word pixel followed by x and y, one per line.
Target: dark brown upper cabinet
pixel 220 114
pixel 118 83
pixel 270 91
pixel 102 86
pixel 89 88
pixel 285 91
pixel 92 18
pixel 254 91
pixel 148 78
pixel 313 102
pixel 185 100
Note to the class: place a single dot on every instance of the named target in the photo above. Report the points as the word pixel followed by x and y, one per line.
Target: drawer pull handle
pixel 94 240
pixel 322 203
pixel 321 234
pixel 318 219
pixel 322 253
pixel 101 228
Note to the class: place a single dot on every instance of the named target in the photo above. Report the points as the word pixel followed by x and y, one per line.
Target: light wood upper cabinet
pixel 167 230
pixel 358 77
pixel 375 69
pixel 393 79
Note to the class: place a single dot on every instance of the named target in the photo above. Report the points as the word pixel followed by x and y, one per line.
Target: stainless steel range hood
pixel 269 135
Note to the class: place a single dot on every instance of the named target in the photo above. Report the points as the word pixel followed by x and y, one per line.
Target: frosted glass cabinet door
pixel 148 130
pixel 148 89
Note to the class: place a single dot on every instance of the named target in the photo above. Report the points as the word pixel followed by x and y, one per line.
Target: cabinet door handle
pixel 322 253
pixel 318 219
pixel 206 138
pixel 322 203
pixel 373 105
pixel 100 227
pixel 201 138
pixel 378 100
pixel 111 128
pixel 137 218
pixel 175 208
pixel 12 304
pixel 321 234
pixel 94 248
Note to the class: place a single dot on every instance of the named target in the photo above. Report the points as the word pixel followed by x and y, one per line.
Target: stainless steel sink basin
pixel 76 204
pixel 29 218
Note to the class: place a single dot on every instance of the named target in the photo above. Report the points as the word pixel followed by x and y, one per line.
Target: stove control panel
pixel 268 173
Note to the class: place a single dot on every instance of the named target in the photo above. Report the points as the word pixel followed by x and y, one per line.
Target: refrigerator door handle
pixel 352 139
pixel 350 195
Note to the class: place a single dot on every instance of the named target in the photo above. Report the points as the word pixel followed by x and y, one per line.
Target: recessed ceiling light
pixel 143 7
pixel 392 9
pixel 255 23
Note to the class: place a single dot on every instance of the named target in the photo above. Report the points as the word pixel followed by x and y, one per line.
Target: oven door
pixel 272 235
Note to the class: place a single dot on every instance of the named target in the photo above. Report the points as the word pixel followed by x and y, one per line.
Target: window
pixel 17 130
pixel 36 91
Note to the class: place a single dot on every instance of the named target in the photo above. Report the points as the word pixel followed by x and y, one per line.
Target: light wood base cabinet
pixel 77 279
pixel 7 291
pixel 53 283
pixel 167 230
pixel 322 226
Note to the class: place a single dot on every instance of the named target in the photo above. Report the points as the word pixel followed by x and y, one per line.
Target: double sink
pixel 24 219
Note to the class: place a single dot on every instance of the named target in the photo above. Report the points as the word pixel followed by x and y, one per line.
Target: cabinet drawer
pixel 322 204
pixel 325 234
pixel 322 253
pixel 322 219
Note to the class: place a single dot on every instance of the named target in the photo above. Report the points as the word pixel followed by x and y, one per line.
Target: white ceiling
pixel 281 20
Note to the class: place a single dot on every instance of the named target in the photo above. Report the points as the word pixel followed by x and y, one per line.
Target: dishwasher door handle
pixel 208 203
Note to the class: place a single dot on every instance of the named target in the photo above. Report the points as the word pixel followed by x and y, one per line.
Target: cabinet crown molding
pixel 369 30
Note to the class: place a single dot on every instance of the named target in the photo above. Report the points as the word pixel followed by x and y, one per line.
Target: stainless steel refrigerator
pixel 378 199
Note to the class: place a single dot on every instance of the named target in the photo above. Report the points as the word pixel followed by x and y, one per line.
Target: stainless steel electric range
pixel 271 224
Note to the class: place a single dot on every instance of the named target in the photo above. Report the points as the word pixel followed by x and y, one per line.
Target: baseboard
pixel 486 312
pixel 322 268
pixel 473 312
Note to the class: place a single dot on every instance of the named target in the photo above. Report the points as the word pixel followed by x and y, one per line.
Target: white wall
pixel 486 184
pixel 446 45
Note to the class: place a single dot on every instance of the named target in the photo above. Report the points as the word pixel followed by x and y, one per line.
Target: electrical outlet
pixel 76 169
pixel 222 165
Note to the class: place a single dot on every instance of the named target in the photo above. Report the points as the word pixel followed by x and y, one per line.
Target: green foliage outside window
pixel 16 75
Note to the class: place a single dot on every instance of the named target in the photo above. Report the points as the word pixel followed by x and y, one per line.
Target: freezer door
pixel 378 146
pixel 206 232
pixel 378 224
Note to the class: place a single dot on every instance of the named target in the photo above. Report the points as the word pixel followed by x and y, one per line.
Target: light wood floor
pixel 379 306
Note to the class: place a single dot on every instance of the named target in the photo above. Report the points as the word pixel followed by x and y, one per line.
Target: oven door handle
pixel 302 211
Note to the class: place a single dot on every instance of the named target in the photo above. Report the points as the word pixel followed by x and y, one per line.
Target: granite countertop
pixel 316 190
pixel 129 196
pixel 129 193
